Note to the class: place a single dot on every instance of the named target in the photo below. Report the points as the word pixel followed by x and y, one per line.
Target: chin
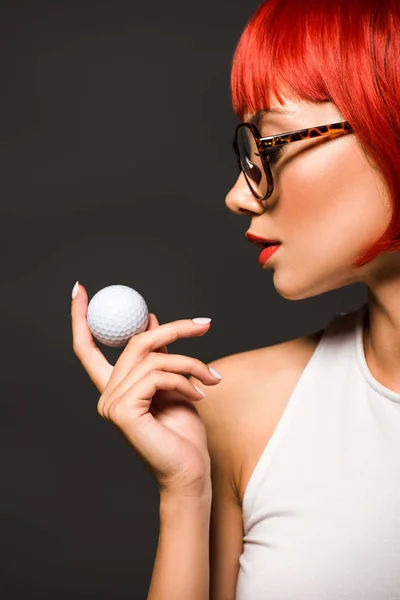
pixel 291 288
pixel 286 289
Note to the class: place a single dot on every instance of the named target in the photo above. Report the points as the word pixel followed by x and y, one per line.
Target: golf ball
pixel 115 314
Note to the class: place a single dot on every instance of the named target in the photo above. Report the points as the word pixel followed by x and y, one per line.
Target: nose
pixel 241 200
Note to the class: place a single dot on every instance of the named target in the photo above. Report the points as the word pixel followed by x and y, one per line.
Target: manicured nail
pixel 199 390
pixel 215 373
pixel 75 290
pixel 201 320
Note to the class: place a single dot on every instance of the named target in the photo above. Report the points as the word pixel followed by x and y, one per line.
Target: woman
pixel 292 461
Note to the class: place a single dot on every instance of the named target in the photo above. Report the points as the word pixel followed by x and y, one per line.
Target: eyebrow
pixel 258 118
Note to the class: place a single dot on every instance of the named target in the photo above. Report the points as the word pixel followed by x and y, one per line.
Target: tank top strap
pixel 342 332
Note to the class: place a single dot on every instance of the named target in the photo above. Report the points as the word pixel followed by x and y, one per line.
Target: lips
pixel 261 242
pixel 266 254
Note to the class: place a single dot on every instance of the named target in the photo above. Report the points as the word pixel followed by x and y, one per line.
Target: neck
pixel 382 338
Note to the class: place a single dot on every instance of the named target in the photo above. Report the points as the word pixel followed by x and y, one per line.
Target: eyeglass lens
pixel 250 161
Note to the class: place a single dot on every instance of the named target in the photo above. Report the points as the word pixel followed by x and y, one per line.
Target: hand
pixel 148 399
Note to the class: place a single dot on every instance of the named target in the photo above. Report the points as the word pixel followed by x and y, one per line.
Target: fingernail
pixel 215 373
pixel 199 390
pixel 75 290
pixel 201 320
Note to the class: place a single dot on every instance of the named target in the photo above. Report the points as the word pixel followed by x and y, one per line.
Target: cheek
pixel 332 203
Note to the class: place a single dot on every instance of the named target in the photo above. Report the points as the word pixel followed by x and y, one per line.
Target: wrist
pixel 200 489
pixel 177 512
pixel 171 500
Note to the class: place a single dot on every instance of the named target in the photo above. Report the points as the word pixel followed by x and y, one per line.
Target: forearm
pixel 181 567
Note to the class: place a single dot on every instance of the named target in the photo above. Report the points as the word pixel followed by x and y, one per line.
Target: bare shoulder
pixel 242 411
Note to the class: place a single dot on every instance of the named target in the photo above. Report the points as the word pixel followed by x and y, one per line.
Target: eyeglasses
pixel 255 154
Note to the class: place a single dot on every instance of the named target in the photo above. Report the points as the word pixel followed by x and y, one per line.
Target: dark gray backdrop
pixel 116 129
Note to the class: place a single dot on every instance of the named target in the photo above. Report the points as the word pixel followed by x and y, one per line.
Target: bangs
pixel 291 48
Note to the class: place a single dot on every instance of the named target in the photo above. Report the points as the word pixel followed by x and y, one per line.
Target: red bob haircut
pixel 343 51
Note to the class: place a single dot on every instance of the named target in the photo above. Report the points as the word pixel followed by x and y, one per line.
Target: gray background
pixel 116 157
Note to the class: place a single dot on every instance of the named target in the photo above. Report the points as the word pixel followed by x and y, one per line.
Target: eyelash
pixel 274 154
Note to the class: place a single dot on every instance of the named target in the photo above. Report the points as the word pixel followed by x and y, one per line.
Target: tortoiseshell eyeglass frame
pixel 272 141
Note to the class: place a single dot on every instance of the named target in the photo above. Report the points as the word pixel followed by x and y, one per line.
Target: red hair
pixel 343 51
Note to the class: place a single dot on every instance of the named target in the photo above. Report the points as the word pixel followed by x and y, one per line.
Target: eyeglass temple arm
pixel 305 134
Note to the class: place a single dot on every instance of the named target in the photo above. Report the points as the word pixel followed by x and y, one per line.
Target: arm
pixel 220 412
pixel 200 542
pixel 181 568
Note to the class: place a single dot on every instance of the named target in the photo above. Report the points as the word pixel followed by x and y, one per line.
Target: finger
pixel 95 363
pixel 141 344
pixel 148 341
pixel 119 372
pixel 135 401
pixel 173 363
pixel 153 323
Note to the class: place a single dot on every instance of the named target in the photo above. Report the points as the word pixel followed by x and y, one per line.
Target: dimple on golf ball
pixel 115 314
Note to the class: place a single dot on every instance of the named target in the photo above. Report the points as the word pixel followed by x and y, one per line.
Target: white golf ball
pixel 115 314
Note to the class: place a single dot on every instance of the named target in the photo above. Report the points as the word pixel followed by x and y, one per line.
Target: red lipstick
pixel 269 246
pixel 267 253
pixel 262 242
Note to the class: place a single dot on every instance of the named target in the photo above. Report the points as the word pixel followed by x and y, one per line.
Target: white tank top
pixel 321 511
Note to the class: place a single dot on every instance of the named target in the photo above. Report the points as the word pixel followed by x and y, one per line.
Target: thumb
pixel 94 361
